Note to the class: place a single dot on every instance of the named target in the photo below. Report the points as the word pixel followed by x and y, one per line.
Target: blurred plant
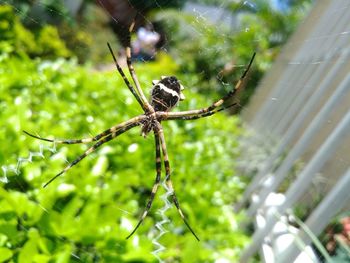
pixel 49 43
pixel 87 37
pixel 58 32
pixel 266 29
pixel 16 39
pixel 35 13
pixel 217 53
pixel 337 238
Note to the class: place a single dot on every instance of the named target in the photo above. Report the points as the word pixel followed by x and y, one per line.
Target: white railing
pixel 299 134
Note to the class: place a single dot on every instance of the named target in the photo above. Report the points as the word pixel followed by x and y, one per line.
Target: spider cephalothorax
pixel 166 93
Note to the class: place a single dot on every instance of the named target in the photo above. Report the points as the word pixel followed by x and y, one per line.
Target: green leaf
pixel 5 254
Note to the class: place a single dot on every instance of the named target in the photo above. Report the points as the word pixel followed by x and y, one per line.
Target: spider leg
pixel 88 140
pixel 159 129
pixel 121 72
pixel 195 117
pixel 92 149
pixel 230 94
pixel 143 99
pixel 155 186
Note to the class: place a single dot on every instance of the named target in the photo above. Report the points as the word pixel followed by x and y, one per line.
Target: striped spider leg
pixel 145 104
pixel 212 109
pixel 155 186
pixel 131 88
pixel 168 181
pixel 101 138
pixel 160 143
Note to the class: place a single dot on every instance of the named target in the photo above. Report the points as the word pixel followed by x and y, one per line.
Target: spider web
pixel 6 169
pixel 46 151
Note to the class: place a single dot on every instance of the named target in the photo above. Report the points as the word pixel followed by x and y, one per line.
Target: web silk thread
pixel 164 220
pixel 15 168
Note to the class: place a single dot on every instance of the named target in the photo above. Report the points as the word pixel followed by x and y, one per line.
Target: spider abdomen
pixel 166 93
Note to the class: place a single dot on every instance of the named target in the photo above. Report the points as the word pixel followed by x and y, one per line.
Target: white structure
pixel 300 114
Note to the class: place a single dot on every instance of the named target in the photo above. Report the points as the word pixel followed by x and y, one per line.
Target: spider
pixel 165 95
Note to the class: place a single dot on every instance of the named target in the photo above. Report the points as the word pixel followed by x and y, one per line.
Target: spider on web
pixel 165 95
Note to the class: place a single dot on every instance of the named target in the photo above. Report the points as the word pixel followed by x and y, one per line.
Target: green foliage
pixel 87 37
pixel 36 13
pixel 49 43
pixel 16 39
pixel 85 215
pixel 266 30
pixel 63 37
pixel 213 54
pixel 13 36
pixel 218 54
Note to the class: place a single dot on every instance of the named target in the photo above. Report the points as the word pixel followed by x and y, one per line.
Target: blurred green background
pixel 51 83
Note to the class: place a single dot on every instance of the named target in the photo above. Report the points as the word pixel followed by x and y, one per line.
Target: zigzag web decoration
pixel 160 224
pixel 15 168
